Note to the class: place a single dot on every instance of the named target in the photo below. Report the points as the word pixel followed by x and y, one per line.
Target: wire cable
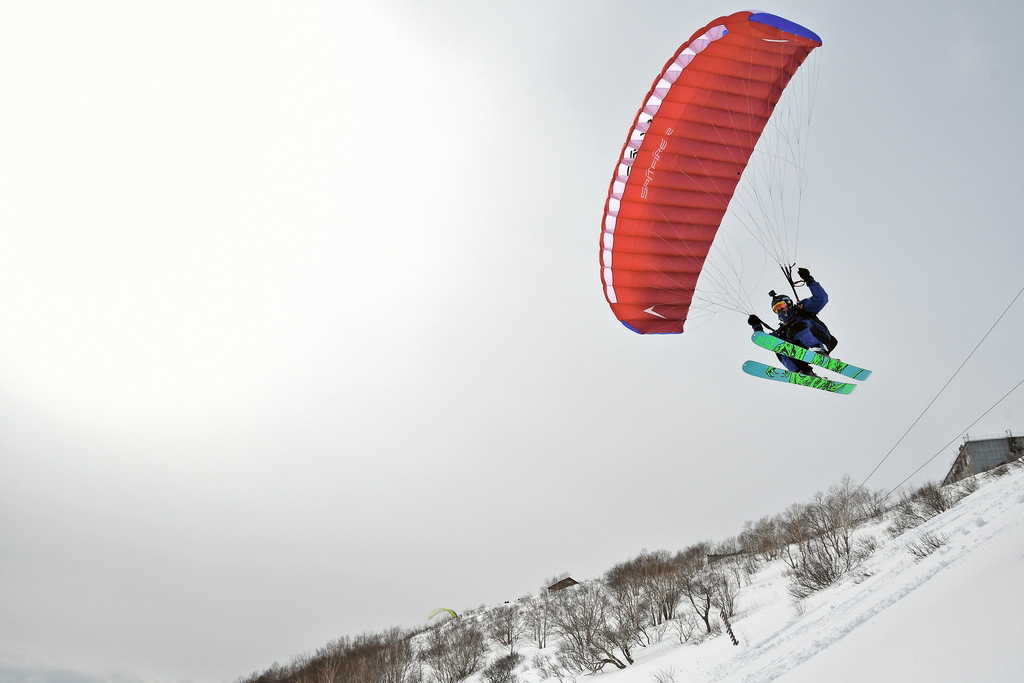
pixel 936 397
pixel 964 431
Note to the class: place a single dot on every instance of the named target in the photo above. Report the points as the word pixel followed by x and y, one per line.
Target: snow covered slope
pixel 953 615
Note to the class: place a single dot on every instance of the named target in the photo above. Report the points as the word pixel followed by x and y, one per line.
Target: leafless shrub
pixel 960 490
pixel 918 506
pixel 549 668
pixel 821 567
pixel 926 544
pixel 502 670
pixel 933 498
pixel 864 548
pixel 829 552
pixel 687 628
pixel 1000 471
pixel 861 573
pixel 665 675
pixel 867 545
pixel 659 631
pixel 818 568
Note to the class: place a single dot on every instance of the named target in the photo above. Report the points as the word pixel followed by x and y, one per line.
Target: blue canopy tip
pixel 784 25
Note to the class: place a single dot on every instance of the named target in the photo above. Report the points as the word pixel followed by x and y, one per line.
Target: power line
pixel 964 431
pixel 936 397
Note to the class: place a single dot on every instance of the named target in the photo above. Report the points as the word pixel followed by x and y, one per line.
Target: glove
pixel 755 322
pixel 805 275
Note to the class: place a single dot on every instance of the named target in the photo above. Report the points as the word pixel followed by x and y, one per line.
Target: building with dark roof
pixel 981 455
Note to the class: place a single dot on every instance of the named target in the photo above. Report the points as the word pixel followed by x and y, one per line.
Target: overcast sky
pixel 303 333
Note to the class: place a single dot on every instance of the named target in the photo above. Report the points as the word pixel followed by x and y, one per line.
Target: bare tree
pixel 329 661
pixel 699 582
pixel 763 539
pixel 505 625
pixel 387 657
pixel 727 588
pixel 398 660
pixel 661 580
pixel 795 524
pixel 582 617
pixel 687 627
pixel 628 587
pixel 301 669
pixel 832 524
pixel 455 651
pixel 537 620
pixel 738 563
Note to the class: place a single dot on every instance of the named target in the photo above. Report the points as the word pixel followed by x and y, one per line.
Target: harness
pixel 799 320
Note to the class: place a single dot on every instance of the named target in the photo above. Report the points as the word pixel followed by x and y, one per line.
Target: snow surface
pixel 954 615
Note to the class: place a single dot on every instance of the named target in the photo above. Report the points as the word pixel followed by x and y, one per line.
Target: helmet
pixel 780 302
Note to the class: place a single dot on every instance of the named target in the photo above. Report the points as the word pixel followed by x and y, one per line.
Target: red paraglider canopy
pixel 683 158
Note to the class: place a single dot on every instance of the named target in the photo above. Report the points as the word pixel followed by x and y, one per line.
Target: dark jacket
pixel 800 325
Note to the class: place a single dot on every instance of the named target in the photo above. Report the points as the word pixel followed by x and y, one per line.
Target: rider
pixel 800 324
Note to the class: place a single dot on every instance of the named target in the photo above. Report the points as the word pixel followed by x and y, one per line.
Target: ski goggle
pixel 780 306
